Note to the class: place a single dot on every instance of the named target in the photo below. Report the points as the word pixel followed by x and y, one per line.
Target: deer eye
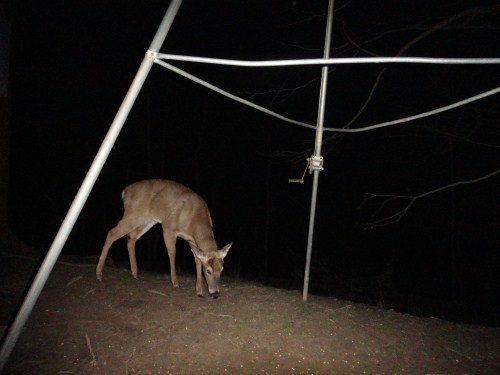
pixel 209 271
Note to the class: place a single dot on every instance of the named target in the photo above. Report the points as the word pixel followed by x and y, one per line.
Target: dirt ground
pixel 128 326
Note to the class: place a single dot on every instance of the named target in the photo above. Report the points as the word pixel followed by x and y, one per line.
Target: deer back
pixel 179 210
pixel 139 197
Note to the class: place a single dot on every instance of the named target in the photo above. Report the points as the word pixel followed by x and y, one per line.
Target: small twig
pixel 157 292
pixel 88 292
pixel 76 278
pixel 84 265
pixel 93 362
pixel 339 308
pixel 222 315
pixel 462 354
pixel 127 361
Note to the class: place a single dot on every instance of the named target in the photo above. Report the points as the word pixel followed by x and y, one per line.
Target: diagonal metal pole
pixel 316 162
pixel 12 334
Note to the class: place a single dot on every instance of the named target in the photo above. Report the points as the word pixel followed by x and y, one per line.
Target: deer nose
pixel 215 295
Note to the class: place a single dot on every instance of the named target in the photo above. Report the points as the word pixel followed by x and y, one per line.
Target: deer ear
pixel 198 253
pixel 223 252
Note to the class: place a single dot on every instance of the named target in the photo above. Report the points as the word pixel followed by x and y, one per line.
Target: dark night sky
pixel 73 61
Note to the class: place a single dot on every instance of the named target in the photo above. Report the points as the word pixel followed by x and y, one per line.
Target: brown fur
pixel 182 213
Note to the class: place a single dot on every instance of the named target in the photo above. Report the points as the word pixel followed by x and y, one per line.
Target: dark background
pixel 73 61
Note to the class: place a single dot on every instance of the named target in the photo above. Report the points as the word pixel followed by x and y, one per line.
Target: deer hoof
pixel 99 277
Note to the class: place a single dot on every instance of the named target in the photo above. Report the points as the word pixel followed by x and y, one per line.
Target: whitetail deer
pixel 182 213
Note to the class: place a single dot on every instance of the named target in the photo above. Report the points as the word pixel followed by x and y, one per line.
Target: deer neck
pixel 205 240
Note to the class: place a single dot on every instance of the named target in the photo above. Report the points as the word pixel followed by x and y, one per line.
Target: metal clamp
pixel 315 163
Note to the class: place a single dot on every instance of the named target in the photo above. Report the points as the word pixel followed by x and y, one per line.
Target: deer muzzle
pixel 214 295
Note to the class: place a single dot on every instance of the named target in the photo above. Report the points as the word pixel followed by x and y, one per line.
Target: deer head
pixel 212 263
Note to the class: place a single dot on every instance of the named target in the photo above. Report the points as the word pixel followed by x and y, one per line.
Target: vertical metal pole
pixel 26 308
pixel 317 147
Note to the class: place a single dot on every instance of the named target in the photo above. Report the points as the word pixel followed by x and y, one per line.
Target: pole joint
pixel 151 55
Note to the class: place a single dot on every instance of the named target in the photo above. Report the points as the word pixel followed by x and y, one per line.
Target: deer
pixel 181 213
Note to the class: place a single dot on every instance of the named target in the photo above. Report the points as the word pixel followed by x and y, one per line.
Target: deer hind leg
pixel 170 239
pixel 132 237
pixel 124 226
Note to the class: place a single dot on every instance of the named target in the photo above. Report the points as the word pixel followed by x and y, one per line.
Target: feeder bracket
pixel 315 163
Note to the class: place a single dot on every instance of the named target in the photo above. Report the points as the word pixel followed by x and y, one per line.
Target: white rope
pixel 340 130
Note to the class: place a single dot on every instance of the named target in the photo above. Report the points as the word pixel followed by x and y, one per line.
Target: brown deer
pixel 182 213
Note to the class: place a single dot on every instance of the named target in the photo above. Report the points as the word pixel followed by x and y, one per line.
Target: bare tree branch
pixel 382 200
pixel 286 93
pixel 459 138
pixel 439 26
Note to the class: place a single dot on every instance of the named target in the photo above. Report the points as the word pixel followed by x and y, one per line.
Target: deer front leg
pixel 170 244
pixel 199 287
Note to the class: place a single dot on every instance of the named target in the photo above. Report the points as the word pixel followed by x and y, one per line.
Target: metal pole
pixel 15 328
pixel 316 163
pixel 334 60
